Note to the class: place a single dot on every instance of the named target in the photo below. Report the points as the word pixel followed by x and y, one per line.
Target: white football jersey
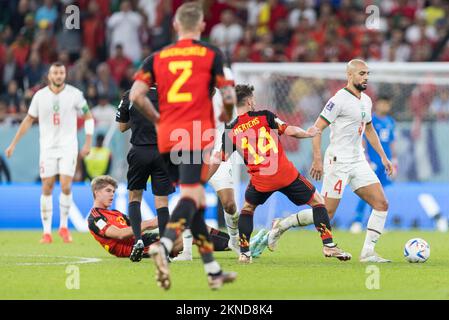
pixel 347 116
pixel 217 103
pixel 57 114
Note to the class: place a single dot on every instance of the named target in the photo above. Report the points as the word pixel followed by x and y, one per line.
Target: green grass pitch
pixel 297 270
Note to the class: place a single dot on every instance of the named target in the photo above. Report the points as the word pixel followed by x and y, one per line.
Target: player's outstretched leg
pixel 246 226
pixel 179 220
pixel 279 226
pixel 215 276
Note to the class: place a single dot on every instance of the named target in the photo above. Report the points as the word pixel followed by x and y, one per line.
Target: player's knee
pixel 135 195
pixel 229 207
pixel 66 189
pixel 381 205
pixel 47 189
pixel 160 201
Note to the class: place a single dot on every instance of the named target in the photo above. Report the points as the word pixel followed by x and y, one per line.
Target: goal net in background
pixel 419 92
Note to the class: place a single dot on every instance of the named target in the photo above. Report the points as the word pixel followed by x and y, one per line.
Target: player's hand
pixel 85 150
pixel 224 117
pixel 316 171
pixel 9 151
pixel 388 167
pixel 215 158
pixel 313 131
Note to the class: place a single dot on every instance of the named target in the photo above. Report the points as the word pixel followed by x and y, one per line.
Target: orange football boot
pixel 46 238
pixel 64 233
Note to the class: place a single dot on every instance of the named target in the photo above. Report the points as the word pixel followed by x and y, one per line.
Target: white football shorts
pixel 338 175
pixel 50 166
pixel 222 179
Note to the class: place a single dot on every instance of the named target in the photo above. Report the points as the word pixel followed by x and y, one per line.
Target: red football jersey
pixel 185 74
pixel 100 220
pixel 255 136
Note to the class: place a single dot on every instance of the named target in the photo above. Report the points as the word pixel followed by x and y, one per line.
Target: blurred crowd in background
pixel 115 36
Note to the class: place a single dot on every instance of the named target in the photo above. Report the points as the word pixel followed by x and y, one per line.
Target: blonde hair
pixel 189 15
pixel 101 182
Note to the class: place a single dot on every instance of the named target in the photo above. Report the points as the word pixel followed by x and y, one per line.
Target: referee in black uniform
pixel 144 160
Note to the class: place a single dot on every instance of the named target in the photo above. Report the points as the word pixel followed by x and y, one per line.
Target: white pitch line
pixel 81 260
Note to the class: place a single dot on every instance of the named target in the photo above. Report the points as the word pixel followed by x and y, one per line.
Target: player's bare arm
pixel 88 125
pixel 373 139
pixel 138 96
pixel 124 126
pixel 229 100
pixel 23 128
pixel 299 133
pixel 316 171
pixel 215 161
pixel 120 234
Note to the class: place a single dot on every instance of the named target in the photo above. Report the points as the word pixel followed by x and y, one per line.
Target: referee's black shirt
pixel 143 131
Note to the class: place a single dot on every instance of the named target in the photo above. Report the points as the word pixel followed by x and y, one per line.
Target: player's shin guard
pixel 135 217
pixel 246 226
pixel 219 239
pixel 204 243
pixel 301 219
pixel 374 229
pixel 231 221
pixel 322 224
pixel 162 218
pixel 46 212
pixel 65 201
pixel 187 240
pixel 179 220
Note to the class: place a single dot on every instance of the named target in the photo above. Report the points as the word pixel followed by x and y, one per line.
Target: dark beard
pixel 360 87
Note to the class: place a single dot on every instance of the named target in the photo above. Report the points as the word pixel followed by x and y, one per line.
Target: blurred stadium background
pixel 293 51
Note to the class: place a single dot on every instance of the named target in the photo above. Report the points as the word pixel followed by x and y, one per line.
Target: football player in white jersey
pixel 223 184
pixel 56 107
pixel 348 114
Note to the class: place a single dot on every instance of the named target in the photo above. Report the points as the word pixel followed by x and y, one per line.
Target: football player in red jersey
pixel 255 135
pixel 186 73
pixel 112 229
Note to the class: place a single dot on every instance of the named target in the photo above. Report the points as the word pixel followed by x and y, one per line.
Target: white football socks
pixel 299 219
pixel 187 240
pixel 65 201
pixel 232 223
pixel 375 228
pixel 46 212
pixel 212 267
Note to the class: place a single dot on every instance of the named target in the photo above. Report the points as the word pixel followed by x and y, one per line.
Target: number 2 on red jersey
pixel 174 95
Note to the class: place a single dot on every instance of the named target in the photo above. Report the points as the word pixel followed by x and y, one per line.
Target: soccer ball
pixel 416 250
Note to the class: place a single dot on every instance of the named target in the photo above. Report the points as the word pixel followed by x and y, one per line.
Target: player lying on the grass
pixel 112 229
pixel 254 134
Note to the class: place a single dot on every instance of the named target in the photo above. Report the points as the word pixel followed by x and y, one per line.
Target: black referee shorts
pixel 146 161
pixel 186 167
pixel 300 192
